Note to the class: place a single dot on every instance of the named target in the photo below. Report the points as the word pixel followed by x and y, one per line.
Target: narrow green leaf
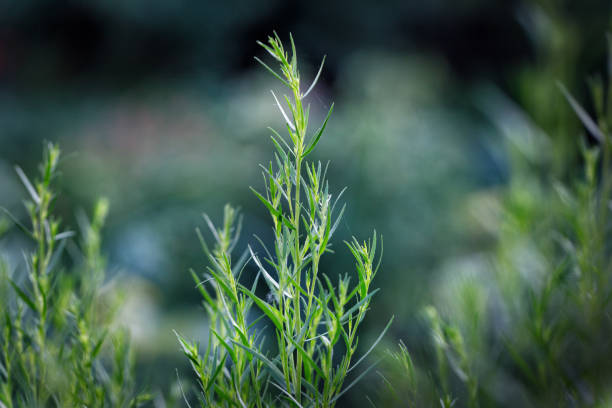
pixel 317 135
pixel 373 345
pixel 276 373
pixel 273 72
pixel 279 149
pixel 273 210
pixel 351 385
pixel 307 358
pixel 219 280
pixel 211 380
pixel 268 49
pixel 332 292
pixel 582 115
pixel 279 137
pixel 293 56
pixel 202 289
pixel 271 281
pixel 314 82
pixel 23 295
pixel 271 312
pixel 17 223
pixel 282 111
pixel 212 228
pixel 302 334
pixel 98 346
pixel 206 249
pixel 284 391
pixel 268 205
pixel 55 257
pixel 358 305
pixel 28 185
pixel 230 350
pixel 520 361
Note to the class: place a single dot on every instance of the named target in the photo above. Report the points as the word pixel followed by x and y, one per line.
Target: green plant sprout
pixel 315 322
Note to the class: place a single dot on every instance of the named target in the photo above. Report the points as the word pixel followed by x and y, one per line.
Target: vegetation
pixel 313 319
pixel 59 346
pixel 527 322
pixel 529 329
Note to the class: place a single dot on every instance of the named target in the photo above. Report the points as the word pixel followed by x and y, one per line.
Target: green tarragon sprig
pixel 56 324
pixel 312 317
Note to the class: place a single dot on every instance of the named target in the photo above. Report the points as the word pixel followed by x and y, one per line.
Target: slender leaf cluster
pixel 314 320
pixel 55 324
pixel 226 373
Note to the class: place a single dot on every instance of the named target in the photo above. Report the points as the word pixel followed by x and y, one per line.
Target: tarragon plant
pixel 533 328
pixel 314 320
pixel 56 324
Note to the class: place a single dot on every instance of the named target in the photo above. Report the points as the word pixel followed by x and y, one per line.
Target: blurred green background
pixel 162 109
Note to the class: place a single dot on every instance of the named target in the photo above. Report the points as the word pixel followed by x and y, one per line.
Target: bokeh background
pixel 160 107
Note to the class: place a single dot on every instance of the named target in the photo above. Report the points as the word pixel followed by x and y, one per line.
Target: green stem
pixel 299 124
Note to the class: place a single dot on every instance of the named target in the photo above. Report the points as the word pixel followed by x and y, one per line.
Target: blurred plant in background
pixel 529 323
pixel 59 344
